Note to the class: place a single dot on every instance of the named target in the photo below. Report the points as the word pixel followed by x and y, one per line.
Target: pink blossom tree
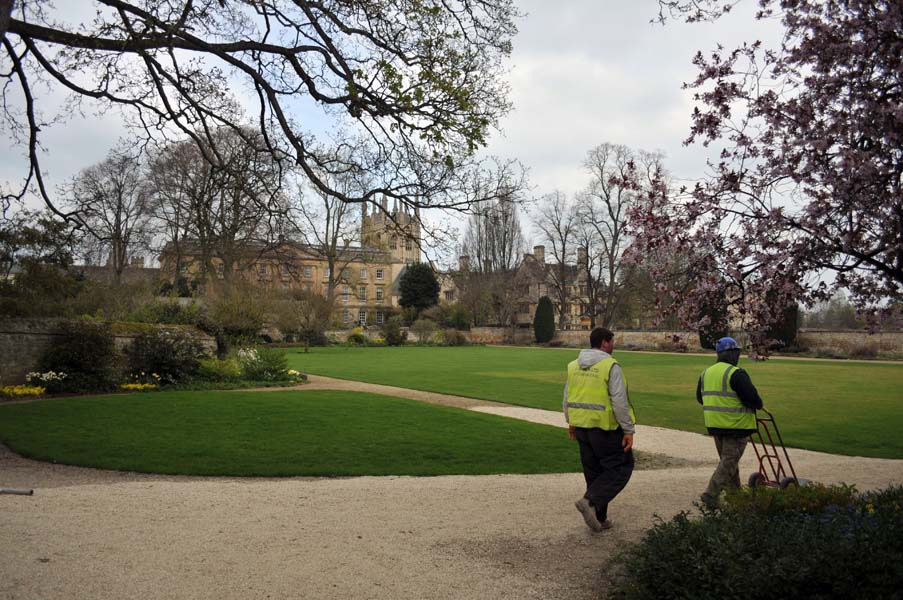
pixel 810 175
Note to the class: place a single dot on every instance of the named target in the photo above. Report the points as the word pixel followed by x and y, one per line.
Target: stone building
pixel 366 289
pixel 533 279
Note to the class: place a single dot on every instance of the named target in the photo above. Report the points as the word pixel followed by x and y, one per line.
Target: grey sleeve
pixel 619 402
pixel 564 404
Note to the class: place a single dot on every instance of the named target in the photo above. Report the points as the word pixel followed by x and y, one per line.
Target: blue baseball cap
pixel 726 343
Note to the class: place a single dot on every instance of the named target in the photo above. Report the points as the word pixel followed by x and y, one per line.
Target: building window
pixel 379 239
pixel 326 273
pixel 362 293
pixel 183 268
pixel 283 268
pixel 263 269
pixel 379 273
pixel 308 271
pixel 380 317
pixel 449 296
pixel 379 294
pixel 363 272
pixel 346 293
pixel 408 244
pixel 394 244
pixel 344 274
pixel 362 317
pixel 346 316
pixel 220 270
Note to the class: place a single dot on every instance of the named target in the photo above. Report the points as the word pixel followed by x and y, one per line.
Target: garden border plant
pixel 812 541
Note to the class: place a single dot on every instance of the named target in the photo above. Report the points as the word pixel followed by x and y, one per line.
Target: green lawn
pixel 841 407
pixel 320 433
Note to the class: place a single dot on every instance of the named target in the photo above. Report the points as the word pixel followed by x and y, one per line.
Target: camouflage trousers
pixel 727 473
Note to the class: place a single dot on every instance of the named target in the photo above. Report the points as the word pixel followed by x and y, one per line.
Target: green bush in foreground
pixel 812 542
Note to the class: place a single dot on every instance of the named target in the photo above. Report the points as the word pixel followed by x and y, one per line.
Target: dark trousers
pixel 606 467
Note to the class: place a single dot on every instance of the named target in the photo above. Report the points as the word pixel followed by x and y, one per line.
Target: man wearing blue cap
pixel 729 403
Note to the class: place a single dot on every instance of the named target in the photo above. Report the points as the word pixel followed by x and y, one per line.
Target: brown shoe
pixel 589 514
pixel 606 524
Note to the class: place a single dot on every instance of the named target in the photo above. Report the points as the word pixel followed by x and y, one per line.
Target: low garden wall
pixel 845 343
pixel 24 341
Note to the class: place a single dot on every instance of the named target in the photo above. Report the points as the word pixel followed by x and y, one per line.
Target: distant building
pixel 366 291
pixel 533 279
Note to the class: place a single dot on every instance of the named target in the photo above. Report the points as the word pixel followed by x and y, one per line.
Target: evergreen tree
pixel 544 321
pixel 419 287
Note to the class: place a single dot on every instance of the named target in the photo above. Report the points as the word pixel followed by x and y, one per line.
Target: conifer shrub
pixel 544 321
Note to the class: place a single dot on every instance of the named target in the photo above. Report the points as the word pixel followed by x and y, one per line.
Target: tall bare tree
pixel 557 222
pixel 493 240
pixel 617 176
pixel 111 201
pixel 228 211
pixel 332 228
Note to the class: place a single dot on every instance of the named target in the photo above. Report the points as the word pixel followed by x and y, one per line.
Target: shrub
pixel 356 337
pixel 454 316
pixel 424 330
pixel 87 354
pixel 236 318
pixel 160 311
pixel 768 543
pixel 263 364
pixel 218 370
pixel 544 321
pixel 869 350
pixel 393 333
pixel 173 355
pixel 453 337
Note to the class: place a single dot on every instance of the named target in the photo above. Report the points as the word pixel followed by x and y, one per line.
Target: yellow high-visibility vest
pixel 721 406
pixel 588 402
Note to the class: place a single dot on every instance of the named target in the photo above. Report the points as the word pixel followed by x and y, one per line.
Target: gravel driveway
pixel 96 534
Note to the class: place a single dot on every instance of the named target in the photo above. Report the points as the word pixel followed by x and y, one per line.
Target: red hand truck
pixel 775 468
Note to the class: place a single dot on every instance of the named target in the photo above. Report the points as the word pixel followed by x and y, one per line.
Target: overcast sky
pixel 583 72
pixel 587 72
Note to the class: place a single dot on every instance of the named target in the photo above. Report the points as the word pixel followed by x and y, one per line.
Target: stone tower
pixel 397 232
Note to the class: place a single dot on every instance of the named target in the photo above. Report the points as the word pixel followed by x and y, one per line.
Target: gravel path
pixel 96 534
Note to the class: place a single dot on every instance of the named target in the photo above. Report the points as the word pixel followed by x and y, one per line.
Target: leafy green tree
pixel 419 287
pixel 544 321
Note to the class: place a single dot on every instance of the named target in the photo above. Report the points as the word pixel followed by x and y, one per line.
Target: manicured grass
pixel 321 433
pixel 840 407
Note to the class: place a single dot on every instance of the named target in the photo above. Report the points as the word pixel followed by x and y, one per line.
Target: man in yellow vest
pixel 601 419
pixel 729 403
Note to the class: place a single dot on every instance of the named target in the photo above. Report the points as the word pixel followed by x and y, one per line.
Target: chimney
pixel 138 261
pixel 581 257
pixel 539 252
pixel 464 263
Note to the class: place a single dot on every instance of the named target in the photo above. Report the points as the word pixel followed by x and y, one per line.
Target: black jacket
pixel 746 391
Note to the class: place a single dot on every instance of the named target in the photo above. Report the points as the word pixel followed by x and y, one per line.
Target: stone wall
pixel 852 341
pixel 841 342
pixel 652 340
pixel 24 341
